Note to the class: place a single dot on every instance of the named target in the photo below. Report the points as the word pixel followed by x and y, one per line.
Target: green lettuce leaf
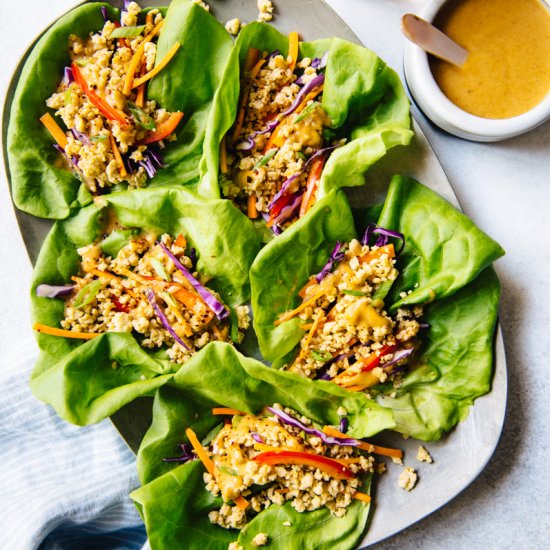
pixel 444 249
pixel 284 266
pixel 363 97
pixel 456 362
pixel 220 375
pixel 40 184
pixel 442 260
pixel 86 381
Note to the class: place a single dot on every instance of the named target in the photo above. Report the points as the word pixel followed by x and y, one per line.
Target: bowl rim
pixel 448 115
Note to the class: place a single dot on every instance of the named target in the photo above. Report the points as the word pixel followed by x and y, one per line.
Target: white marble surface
pixel 505 189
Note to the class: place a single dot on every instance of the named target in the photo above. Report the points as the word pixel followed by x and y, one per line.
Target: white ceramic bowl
pixel 445 113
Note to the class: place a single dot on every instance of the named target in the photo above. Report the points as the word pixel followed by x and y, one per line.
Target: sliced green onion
pixel 127 32
pixel 212 434
pixel 141 117
pixel 320 355
pixel 382 291
pixel 101 137
pixel 354 292
pixel 235 420
pixel 169 299
pixel 82 62
pixel 158 266
pixel 305 113
pixel 68 97
pixel 266 158
pixel 328 135
pixel 228 471
pixel 302 155
pixel 87 294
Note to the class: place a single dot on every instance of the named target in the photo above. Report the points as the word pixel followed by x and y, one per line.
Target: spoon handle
pixel 432 40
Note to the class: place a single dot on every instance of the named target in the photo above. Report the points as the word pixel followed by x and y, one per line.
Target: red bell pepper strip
pixel 104 108
pixel 313 178
pixel 328 465
pixel 164 129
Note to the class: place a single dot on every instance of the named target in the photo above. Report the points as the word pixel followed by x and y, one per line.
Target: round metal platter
pixel 460 456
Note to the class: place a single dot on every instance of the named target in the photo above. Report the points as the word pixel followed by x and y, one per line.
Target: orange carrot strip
pixel 293 43
pixel 313 179
pixel 289 314
pixel 55 130
pixel 149 19
pixel 311 332
pixel 251 210
pixel 223 155
pixel 106 110
pixel 251 66
pixel 216 411
pixel 131 275
pixel 181 241
pixel 53 331
pixel 164 129
pixel 153 72
pixel 303 291
pixel 136 59
pixel 241 502
pixel 369 447
pixel 118 156
pixel 201 453
pixel 362 497
pixel 187 298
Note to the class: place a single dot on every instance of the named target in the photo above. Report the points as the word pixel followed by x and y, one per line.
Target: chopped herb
pixel 235 420
pixel 68 97
pixel 212 434
pixel 306 112
pixel 228 471
pixel 158 266
pixel 141 117
pixel 169 299
pixel 354 292
pixel 266 158
pixel 328 135
pixel 81 62
pixel 320 355
pixel 99 138
pixel 128 32
pixel 87 294
pixel 302 155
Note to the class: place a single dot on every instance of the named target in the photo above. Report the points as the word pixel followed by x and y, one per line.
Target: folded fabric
pixel 62 486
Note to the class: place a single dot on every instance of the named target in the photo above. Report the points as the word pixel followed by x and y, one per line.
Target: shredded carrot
pixel 313 179
pixel 118 156
pixel 164 129
pixel 307 326
pixel 293 43
pixel 153 72
pixel 241 502
pixel 181 241
pixel 136 59
pixel 223 155
pixel 276 140
pixel 140 96
pixel 303 291
pixel 216 411
pixel 103 106
pixel 374 254
pixel 251 210
pixel 217 332
pixel 53 331
pixel 201 453
pixel 369 447
pixel 186 297
pixel 311 332
pixel 289 314
pixel 131 275
pixel 363 497
pixel 263 447
pixel 149 19
pixel 77 279
pixel 55 130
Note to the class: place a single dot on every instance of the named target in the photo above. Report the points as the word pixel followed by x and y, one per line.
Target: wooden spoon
pixel 432 40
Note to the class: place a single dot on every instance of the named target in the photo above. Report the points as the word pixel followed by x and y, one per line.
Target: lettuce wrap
pixel 41 185
pixel 444 265
pixel 173 500
pixel 86 382
pixel 362 96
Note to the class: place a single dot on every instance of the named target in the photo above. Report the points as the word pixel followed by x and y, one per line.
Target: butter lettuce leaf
pixel 86 381
pixel 173 500
pixel 362 95
pixel 456 363
pixel 41 185
pixel 444 266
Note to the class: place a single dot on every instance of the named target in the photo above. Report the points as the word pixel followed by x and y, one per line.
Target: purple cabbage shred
pixel 164 320
pixel 257 437
pixel 336 256
pixel 187 454
pixel 53 291
pixel 383 237
pixel 343 426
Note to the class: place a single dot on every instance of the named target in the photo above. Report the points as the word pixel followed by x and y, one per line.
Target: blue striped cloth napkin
pixel 62 487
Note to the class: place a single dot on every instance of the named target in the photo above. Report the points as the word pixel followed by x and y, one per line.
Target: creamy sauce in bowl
pixel 508 70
